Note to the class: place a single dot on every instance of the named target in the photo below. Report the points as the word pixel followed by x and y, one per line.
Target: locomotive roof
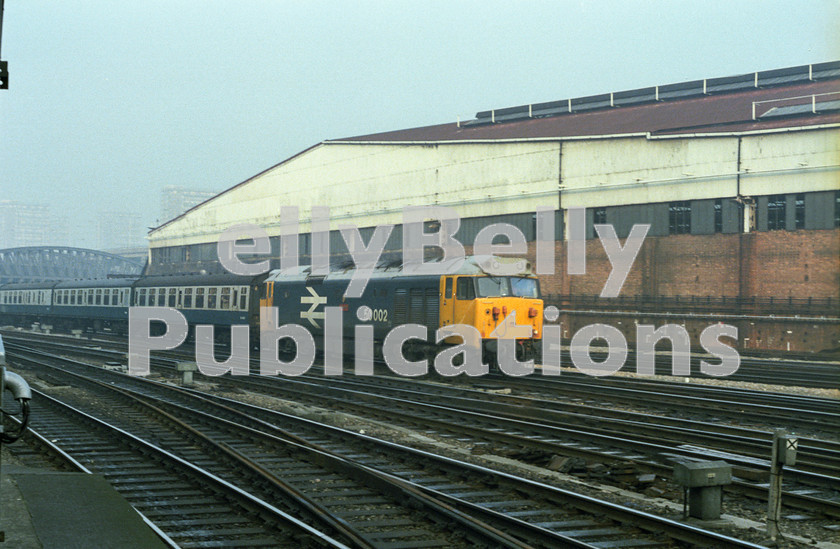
pixel 472 265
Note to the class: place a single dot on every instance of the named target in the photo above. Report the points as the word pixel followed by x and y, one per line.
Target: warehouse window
pixel 679 217
pixel 776 212
pixel 718 215
pixel 800 211
pixel 599 216
pixel 837 208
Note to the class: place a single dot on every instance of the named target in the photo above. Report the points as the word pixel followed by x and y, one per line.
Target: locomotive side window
pixel 465 288
pixel 448 288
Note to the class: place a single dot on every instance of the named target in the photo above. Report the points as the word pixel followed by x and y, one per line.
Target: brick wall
pixel 797 264
pixel 780 264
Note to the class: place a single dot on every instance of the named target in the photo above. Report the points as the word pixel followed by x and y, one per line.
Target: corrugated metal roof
pixel 701 106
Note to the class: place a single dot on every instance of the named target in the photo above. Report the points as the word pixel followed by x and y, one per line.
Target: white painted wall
pixel 369 184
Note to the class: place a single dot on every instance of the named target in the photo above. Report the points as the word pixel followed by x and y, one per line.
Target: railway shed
pixel 737 177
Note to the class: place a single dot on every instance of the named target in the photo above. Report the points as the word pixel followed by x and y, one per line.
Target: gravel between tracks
pixel 741 522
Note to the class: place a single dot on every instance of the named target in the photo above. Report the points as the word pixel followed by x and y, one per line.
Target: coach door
pixel 447 300
pixel 266 302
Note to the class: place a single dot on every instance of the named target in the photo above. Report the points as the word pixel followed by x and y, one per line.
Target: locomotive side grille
pixel 400 306
pixel 415 313
pixel 432 309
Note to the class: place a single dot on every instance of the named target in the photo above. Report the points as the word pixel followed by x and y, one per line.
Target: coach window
pixel 173 295
pixel 188 298
pixel 224 301
pixel 465 288
pixel 447 292
pixel 211 297
pixel 106 297
pixel 89 297
pixel 141 297
pixel 199 298
pixel 243 298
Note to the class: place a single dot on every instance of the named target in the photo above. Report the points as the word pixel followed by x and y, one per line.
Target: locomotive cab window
pixel 492 286
pixel 447 292
pixel 524 287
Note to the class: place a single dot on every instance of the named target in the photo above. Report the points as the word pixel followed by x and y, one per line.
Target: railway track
pixel 802 372
pixel 192 506
pixel 510 425
pixel 533 512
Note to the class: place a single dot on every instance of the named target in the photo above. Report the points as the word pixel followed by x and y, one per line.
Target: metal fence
pixel 789 306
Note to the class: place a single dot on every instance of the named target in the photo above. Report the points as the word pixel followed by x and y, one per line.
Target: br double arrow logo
pixel 313 301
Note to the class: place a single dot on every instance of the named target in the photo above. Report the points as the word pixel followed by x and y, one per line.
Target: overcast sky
pixel 112 100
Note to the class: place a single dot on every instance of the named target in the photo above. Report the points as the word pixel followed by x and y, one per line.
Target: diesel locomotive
pixel 469 295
